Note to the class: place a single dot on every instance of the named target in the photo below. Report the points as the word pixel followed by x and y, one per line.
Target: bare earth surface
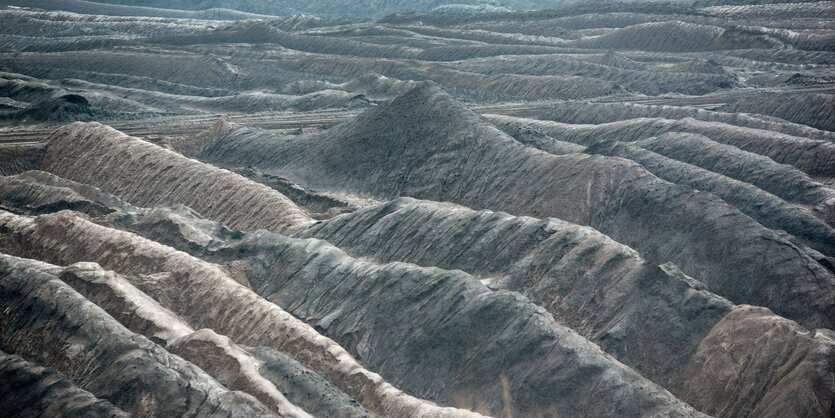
pixel 417 209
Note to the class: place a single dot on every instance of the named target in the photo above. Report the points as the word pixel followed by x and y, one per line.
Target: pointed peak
pixel 425 99
pixel 425 90
pixel 222 124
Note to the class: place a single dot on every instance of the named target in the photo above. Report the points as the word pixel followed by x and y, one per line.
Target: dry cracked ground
pixel 417 208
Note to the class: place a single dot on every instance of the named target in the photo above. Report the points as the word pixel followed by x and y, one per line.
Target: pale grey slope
pixel 776 195
pixel 305 387
pixel 318 204
pixel 606 292
pixel 131 67
pixel 18 158
pixel 62 109
pixel 219 356
pixel 814 9
pixel 182 228
pixel 816 158
pixel 48 322
pixel 558 265
pixel 748 341
pixel 696 138
pixel 365 8
pixel 55 22
pixel 530 135
pixel 677 36
pixel 206 296
pixel 814 110
pixel 462 338
pixel 98 8
pixel 781 180
pixel 459 157
pixel 32 390
pixel 577 112
pixel 319 283
pixel 145 174
pixel 765 208
pixel 650 80
pixel 105 100
pixel 453 237
pixel 46 101
pixel 36 192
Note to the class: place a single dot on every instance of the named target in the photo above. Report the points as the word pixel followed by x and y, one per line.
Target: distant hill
pixel 334 8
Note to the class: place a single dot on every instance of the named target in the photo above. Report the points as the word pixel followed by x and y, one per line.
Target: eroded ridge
pixel 206 297
pixel 146 175
pixel 390 151
pixel 50 323
pixel 563 267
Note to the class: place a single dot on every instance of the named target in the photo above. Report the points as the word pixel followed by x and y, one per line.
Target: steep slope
pixel 67 108
pixel 217 355
pixel 205 296
pixel 35 192
pixel 291 272
pixel 576 112
pixel 606 292
pixel 18 158
pixel 808 109
pixel 459 157
pixel 732 356
pixel 234 366
pixel 431 309
pixel 144 174
pixel 765 208
pixel 32 390
pixel 781 180
pixel 454 237
pixel 816 158
pixel 46 321
pixel 607 208
pixel 686 142
pixel 304 386
pixel 98 8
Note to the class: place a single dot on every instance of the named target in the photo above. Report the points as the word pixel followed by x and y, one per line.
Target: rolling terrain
pixel 417 209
